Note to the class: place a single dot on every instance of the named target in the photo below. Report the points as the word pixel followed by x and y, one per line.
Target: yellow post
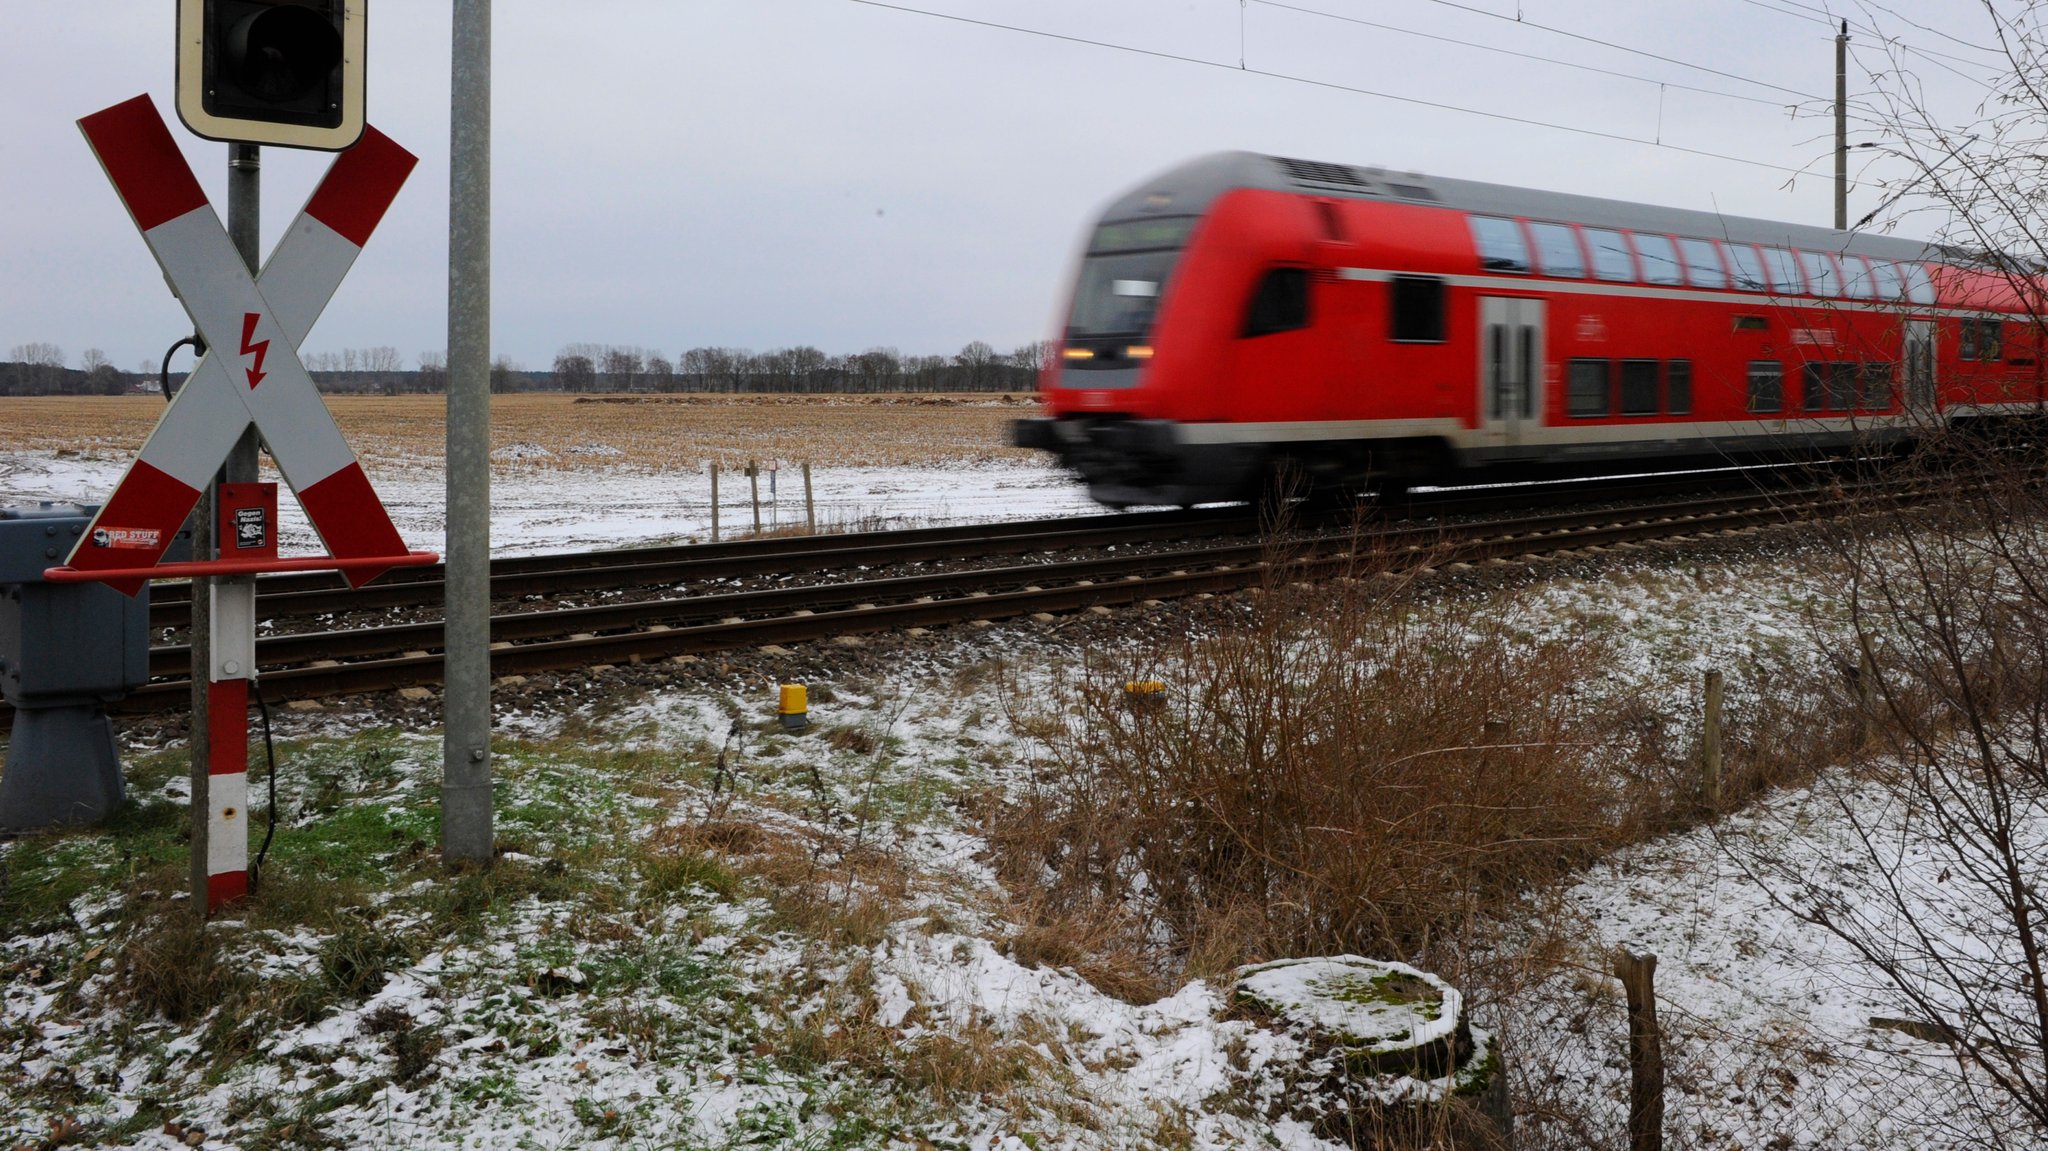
pixel 794 706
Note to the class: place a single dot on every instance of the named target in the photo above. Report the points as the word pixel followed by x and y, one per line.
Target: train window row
pixel 1574 251
pixel 1596 387
pixel 1825 387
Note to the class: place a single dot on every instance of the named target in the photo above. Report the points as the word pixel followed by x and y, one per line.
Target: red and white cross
pixel 251 374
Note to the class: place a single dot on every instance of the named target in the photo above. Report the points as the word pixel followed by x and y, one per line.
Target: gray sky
pixel 762 173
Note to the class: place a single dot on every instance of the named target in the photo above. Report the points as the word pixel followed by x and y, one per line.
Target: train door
pixel 1919 366
pixel 1510 369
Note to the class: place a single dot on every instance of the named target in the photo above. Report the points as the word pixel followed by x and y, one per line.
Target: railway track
pixel 311 595
pixel 1210 559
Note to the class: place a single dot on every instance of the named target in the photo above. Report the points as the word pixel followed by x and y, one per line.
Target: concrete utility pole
pixel 245 228
pixel 1842 129
pixel 466 814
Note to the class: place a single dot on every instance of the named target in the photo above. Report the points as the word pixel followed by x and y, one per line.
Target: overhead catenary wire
pixel 1519 22
pixel 1942 60
pixel 1517 54
pixel 1157 54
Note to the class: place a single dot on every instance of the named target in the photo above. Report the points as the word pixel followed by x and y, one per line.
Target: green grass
pixel 608 874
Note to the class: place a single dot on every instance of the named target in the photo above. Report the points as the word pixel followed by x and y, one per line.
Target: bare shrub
pixel 1356 772
pixel 1938 895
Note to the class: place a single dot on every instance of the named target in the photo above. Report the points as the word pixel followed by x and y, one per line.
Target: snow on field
pixel 538 510
pixel 1768 1018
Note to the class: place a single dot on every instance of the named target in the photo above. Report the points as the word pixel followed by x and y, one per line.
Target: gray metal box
pixel 63 641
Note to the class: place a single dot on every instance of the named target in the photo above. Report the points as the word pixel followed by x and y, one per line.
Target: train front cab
pixel 1132 357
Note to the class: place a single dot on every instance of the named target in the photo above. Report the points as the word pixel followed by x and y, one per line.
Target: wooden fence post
pixel 1645 1051
pixel 1710 746
pixel 754 483
pixel 1866 698
pixel 714 501
pixel 810 509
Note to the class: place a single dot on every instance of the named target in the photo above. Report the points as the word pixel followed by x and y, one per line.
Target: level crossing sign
pixel 251 374
pixel 253 326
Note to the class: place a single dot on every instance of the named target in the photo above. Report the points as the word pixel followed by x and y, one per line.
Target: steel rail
pixel 291 597
pixel 287 650
pixel 637 632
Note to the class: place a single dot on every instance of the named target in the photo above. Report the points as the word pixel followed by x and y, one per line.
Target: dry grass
pixel 1356 772
pixel 543 430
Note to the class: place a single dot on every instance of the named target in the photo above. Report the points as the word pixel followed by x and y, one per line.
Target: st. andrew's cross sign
pixel 252 327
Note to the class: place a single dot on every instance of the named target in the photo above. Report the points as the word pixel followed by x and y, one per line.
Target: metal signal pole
pixel 1842 129
pixel 245 228
pixel 466 815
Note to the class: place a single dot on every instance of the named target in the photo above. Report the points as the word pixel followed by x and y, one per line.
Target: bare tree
pixel 1944 651
pixel 433 375
pixel 102 378
pixel 876 370
pixel 621 367
pixel 575 372
pixel 504 374
pixel 978 366
pixel 37 368
pixel 661 374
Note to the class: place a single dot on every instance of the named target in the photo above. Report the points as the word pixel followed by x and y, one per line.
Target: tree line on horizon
pixel 40 369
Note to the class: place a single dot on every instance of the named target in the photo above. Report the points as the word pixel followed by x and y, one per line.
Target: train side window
pixel 1874 387
pixel 1611 259
pixel 1813 387
pixel 1660 259
pixel 1678 387
pixel 1766 386
pixel 1889 286
pixel 1856 281
pixel 1587 390
pixel 1557 249
pixel 1639 387
pixel 1919 285
pixel 1702 264
pixel 1280 304
pixel 1784 271
pixel 1749 270
pixel 1843 381
pixel 1501 247
pixel 1417 307
pixel 1821 273
pixel 1980 340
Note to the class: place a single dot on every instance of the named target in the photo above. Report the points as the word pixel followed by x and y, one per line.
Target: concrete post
pixel 466 812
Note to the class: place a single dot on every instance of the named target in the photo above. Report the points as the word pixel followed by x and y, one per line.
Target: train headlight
pixel 1078 353
pixel 1139 351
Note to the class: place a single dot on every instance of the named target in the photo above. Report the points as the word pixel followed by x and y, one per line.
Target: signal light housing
pixel 282 72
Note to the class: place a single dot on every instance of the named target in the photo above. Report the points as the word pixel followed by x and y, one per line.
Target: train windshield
pixel 1124 275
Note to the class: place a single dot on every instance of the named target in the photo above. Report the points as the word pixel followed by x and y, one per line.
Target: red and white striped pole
pixel 233 628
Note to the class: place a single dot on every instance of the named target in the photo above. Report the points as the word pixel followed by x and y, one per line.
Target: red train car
pixel 1244 313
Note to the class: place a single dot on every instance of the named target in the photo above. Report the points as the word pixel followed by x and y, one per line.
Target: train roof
pixel 1192 186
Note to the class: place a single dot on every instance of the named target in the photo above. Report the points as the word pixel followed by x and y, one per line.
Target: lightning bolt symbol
pixel 258 348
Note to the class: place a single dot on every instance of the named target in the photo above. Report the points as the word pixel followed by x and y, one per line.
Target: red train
pixel 1244 313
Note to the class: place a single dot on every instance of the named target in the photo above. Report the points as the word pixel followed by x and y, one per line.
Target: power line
pixel 1822 16
pixel 1519 55
pixel 1519 22
pixel 1331 85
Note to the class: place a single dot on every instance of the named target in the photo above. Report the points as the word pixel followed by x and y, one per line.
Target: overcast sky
pixel 763 173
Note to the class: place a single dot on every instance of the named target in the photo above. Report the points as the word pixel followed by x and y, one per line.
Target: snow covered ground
pixel 1768 1018
pixel 536 509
